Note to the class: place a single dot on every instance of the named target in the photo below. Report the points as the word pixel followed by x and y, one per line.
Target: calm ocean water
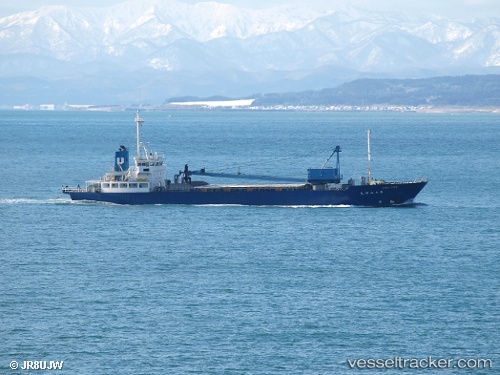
pixel 249 290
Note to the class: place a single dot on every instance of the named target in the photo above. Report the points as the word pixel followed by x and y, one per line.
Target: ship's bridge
pixel 148 173
pixel 149 167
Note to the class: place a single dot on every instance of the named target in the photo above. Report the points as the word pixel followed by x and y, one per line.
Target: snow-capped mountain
pixel 147 50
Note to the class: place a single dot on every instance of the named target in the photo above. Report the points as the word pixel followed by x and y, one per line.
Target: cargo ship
pixel 146 182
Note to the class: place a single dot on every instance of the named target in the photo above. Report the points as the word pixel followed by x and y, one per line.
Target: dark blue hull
pixel 386 194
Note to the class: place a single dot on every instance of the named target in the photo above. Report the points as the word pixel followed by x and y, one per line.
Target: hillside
pixel 470 90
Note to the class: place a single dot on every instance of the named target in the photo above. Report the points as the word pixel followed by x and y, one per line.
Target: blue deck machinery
pixel 324 175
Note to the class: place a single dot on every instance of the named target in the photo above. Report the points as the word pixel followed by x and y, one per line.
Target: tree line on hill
pixel 469 90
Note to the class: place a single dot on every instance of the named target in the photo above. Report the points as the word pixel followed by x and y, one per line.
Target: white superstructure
pixel 149 172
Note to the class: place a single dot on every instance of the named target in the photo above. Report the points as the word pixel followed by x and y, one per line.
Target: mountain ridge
pixel 219 49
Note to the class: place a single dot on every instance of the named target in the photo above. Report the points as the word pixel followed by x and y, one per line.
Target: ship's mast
pixel 369 160
pixel 138 121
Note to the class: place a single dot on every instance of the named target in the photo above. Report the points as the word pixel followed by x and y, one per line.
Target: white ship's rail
pixel 68 189
pixel 91 186
pixel 415 181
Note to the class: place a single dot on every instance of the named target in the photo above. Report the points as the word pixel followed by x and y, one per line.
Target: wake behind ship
pixel 146 182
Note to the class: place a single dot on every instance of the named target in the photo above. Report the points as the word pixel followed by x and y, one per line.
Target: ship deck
pixel 252 187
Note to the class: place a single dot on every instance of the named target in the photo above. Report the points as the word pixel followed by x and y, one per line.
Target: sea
pixel 165 289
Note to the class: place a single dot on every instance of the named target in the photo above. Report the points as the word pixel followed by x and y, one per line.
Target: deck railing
pixel 68 189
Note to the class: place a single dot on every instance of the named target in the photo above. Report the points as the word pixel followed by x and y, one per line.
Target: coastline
pixel 228 106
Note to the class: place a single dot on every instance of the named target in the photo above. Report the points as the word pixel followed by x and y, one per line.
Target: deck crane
pixel 321 176
pixel 336 150
pixel 324 175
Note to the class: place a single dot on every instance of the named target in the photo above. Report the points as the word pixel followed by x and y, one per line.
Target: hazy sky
pixel 450 8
